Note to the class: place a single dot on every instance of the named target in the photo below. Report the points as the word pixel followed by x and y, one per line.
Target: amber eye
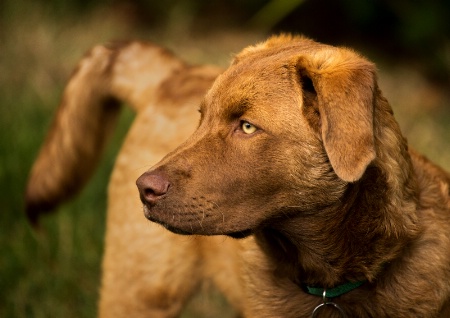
pixel 248 128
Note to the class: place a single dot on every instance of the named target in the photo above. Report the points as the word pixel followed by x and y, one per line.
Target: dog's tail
pixel 105 77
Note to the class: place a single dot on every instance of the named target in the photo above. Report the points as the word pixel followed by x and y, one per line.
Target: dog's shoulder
pixel 433 183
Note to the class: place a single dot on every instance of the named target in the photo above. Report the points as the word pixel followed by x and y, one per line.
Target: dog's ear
pixel 342 85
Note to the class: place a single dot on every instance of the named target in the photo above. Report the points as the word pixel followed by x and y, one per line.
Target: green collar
pixel 334 292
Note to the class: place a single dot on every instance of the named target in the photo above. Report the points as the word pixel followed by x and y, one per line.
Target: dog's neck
pixel 358 236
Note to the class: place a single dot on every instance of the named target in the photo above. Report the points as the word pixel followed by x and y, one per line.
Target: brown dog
pixel 297 153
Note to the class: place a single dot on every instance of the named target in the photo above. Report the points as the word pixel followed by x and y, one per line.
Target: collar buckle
pixel 333 292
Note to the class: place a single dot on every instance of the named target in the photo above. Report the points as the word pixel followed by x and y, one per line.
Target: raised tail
pixel 105 77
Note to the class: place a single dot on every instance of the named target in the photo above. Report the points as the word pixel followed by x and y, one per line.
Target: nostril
pixel 152 186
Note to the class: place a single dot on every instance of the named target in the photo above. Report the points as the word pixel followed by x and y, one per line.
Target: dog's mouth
pixel 166 225
pixel 240 234
pixel 177 230
pixel 171 228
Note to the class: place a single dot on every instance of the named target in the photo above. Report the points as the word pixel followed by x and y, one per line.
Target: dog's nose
pixel 152 186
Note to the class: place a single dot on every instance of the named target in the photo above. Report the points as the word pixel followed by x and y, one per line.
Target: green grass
pixel 55 273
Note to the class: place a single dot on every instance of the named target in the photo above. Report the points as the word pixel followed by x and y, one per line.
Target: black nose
pixel 152 186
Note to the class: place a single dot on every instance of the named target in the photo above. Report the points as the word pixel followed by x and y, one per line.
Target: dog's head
pixel 283 131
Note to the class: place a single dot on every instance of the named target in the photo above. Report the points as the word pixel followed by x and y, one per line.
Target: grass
pixel 55 273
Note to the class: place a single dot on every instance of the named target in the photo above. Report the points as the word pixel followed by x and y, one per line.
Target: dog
pixel 299 195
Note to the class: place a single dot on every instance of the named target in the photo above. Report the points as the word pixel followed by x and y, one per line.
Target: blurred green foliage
pixel 418 31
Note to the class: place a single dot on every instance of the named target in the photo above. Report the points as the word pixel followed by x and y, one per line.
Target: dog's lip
pixel 164 224
pixel 236 234
pixel 240 234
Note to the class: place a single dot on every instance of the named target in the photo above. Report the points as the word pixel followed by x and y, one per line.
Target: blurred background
pixel 55 272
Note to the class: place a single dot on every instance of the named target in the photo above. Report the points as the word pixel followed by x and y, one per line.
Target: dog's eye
pixel 248 128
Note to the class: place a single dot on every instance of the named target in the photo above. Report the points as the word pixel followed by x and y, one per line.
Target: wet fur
pixel 324 192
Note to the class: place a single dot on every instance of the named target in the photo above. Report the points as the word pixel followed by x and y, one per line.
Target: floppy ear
pixel 344 84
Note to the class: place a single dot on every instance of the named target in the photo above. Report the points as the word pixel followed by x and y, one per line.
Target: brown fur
pixel 323 192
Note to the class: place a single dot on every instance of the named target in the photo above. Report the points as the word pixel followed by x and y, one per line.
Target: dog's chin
pixel 235 234
pixel 167 226
pixel 175 230
pixel 240 234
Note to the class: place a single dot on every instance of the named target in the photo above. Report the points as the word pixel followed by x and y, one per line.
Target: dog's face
pixel 282 132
